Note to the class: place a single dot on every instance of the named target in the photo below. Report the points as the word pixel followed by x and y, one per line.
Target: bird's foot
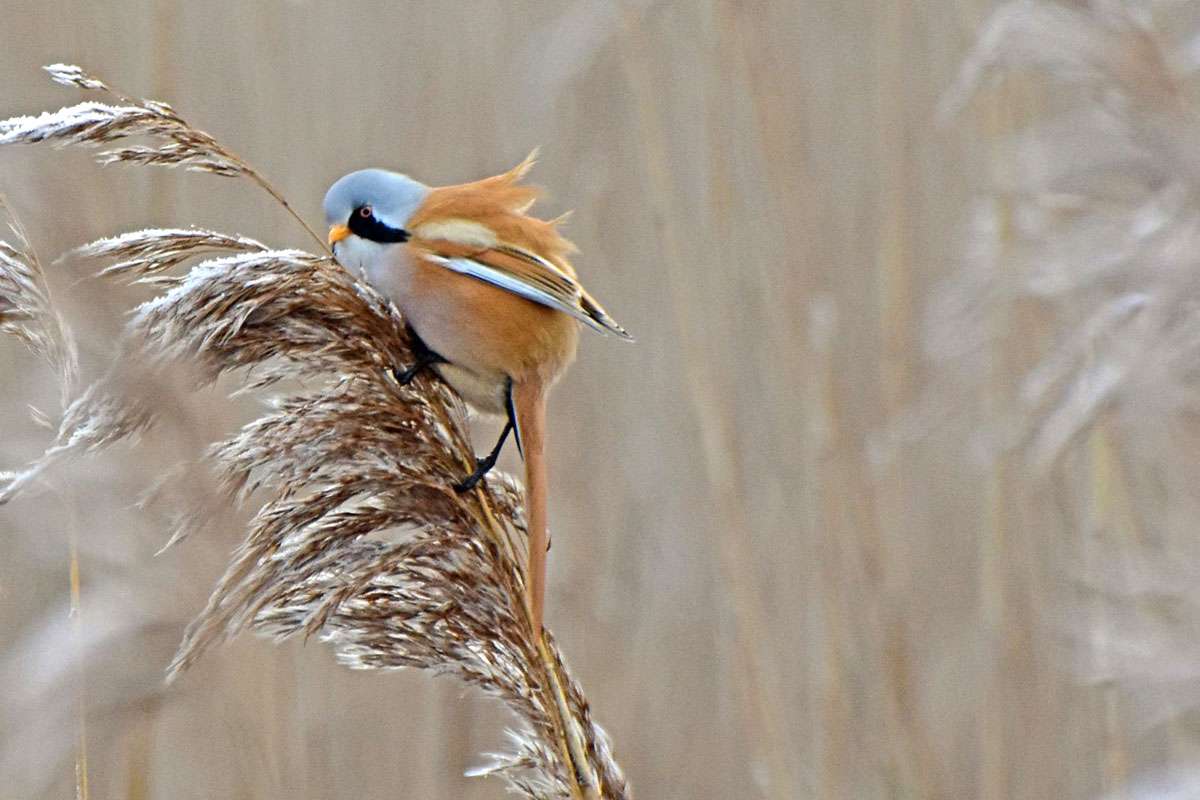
pixel 406 377
pixel 423 359
pixel 482 467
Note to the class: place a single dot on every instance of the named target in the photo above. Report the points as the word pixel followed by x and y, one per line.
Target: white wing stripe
pixel 518 252
pixel 502 279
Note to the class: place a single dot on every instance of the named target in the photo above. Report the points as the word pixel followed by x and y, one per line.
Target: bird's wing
pixel 521 272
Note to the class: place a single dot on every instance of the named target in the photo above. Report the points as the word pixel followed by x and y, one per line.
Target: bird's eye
pixel 365 212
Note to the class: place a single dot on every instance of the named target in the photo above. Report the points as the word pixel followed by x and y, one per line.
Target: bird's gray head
pixel 372 205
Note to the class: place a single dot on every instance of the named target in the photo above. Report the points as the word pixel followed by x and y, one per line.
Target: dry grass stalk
pixel 351 457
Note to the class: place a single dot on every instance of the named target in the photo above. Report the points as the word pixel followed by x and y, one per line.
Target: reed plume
pixel 362 540
pixel 1095 221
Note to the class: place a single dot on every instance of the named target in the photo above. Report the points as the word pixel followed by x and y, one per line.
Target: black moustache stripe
pixel 373 230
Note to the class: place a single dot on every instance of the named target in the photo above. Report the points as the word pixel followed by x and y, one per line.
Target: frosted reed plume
pixel 175 143
pixel 361 541
pixel 1095 221
pixel 94 124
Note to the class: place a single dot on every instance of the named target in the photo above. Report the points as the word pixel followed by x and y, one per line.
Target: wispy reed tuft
pixel 361 540
pixel 26 310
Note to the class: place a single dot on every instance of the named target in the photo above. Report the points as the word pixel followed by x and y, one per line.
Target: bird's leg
pixel 484 465
pixel 424 357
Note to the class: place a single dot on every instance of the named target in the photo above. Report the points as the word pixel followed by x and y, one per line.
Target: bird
pixel 490 300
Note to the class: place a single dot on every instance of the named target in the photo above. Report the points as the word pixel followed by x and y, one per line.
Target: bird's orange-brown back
pixel 499 203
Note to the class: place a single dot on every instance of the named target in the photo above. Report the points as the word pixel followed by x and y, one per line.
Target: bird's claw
pixel 471 481
pixel 406 377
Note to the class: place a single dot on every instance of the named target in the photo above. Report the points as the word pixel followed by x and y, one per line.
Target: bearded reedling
pixel 490 299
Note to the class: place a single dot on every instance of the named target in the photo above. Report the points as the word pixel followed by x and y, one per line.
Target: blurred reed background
pixel 895 496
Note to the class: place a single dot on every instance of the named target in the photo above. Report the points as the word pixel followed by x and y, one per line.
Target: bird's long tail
pixel 529 402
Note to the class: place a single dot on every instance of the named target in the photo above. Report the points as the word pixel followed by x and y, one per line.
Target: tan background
pixel 758 603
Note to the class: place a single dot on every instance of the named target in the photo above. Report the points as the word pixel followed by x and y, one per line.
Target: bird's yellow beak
pixel 337 233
